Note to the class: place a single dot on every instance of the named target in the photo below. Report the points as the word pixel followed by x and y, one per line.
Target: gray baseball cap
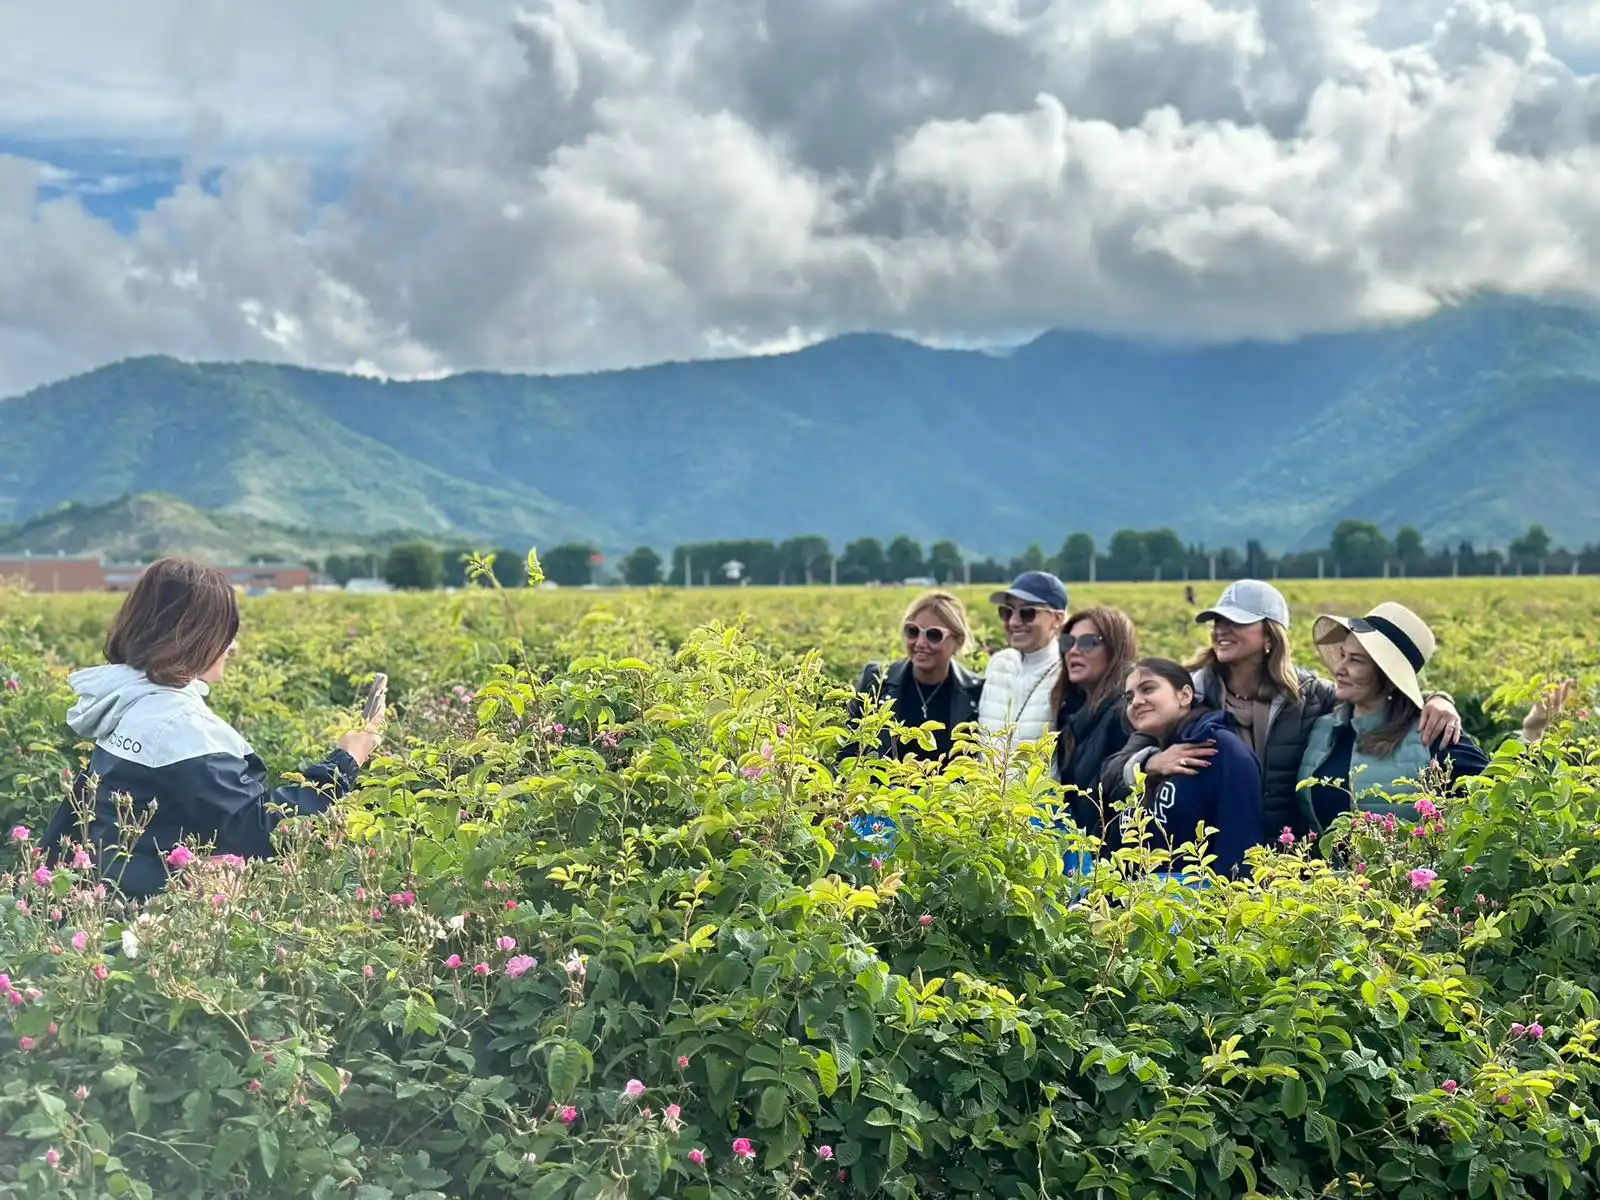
pixel 1246 602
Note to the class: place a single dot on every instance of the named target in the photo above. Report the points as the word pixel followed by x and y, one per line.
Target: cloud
pixel 582 183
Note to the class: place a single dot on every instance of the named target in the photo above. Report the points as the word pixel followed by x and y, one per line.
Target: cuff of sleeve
pixel 345 771
pixel 1136 760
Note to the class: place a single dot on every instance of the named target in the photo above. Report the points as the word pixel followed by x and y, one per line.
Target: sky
pixel 413 187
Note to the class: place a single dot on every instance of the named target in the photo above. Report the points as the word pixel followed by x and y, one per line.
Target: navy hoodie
pixel 1226 796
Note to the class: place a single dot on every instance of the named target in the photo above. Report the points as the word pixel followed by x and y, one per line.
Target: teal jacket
pixel 1396 775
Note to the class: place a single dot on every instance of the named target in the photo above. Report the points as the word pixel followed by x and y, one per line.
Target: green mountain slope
pixel 133 528
pixel 1474 422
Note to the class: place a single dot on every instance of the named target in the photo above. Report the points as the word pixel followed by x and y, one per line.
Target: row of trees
pixel 1356 549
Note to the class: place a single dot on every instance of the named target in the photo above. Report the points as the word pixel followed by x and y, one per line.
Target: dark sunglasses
pixel 933 634
pixel 1087 642
pixel 1025 614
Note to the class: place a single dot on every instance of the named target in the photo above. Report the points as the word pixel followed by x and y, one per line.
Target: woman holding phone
pixel 160 751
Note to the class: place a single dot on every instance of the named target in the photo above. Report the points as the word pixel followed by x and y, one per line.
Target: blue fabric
pixel 1226 796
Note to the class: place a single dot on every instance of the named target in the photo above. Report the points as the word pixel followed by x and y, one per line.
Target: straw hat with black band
pixel 1398 641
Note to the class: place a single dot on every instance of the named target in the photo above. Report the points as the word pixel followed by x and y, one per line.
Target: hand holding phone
pixel 377 700
pixel 360 743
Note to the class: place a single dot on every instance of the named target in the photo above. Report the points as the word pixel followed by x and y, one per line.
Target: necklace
pixel 927 699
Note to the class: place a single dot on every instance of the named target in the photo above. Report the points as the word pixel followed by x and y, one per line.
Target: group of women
pixel 1224 744
pixel 1241 742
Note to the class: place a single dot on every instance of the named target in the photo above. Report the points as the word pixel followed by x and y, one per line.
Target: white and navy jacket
pixel 163 744
pixel 1015 706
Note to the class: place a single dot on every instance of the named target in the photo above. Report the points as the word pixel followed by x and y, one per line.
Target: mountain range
pixel 1473 422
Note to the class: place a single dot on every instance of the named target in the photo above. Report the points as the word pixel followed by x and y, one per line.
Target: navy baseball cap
pixel 1035 587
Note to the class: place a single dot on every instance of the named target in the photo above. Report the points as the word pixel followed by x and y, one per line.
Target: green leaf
pixel 770 1110
pixel 1477 1176
pixel 120 1076
pixel 138 1104
pixel 858 1028
pixel 827 1073
pixel 231 1148
pixel 327 1077
pixel 267 1144
pixel 564 1070
pixel 1292 1097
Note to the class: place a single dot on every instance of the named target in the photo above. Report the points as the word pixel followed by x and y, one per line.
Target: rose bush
pixel 618 936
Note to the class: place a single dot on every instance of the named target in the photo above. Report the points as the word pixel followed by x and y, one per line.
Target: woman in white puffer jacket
pixel 1016 706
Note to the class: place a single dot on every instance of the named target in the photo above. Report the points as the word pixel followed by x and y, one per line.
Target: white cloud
pixel 576 184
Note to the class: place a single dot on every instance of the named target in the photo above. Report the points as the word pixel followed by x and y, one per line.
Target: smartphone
pixel 377 697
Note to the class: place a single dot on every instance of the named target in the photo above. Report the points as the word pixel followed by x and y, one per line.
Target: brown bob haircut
pixel 178 619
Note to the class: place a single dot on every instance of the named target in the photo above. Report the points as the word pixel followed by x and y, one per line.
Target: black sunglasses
pixel 933 634
pixel 1025 614
pixel 1087 642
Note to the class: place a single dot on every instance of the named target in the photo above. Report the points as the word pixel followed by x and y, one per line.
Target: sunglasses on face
pixel 1088 643
pixel 933 634
pixel 1025 614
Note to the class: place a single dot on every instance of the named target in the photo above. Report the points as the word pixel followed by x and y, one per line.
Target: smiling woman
pixel 1370 748
pixel 927 684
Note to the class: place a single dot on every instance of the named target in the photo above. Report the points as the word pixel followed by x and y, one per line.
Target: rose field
pixel 595 923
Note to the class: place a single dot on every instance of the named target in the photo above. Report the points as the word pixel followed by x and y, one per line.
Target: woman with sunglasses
pixel 1016 704
pixel 927 684
pixel 1100 647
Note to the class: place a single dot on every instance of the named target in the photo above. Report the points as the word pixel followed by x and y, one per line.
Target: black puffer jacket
pixel 1288 731
pixel 1097 734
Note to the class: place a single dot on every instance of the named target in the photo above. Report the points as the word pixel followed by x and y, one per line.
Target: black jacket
pixel 163 745
pixel 1097 734
pixel 1288 731
pixel 893 681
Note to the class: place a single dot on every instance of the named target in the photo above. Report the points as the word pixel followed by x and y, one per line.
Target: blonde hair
pixel 1280 677
pixel 952 614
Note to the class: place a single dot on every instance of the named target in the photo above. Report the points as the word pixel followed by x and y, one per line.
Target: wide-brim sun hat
pixel 1397 640
pixel 1248 602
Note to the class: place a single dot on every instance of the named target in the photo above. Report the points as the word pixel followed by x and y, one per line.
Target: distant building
pixel 54 574
pixel 43 573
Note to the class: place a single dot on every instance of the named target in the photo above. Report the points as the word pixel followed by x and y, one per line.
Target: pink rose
pixel 1450 1086
pixel 683 1062
pixel 507 943
pixel 825 1152
pixel 20 833
pixel 568 1115
pixel 633 1089
pixel 52 1157
pixel 1422 878
pixel 179 857
pixel 481 970
pixel 1536 1031
pixel 743 1149
pixel 453 962
pixel 1286 838
pixel 80 941
pixel 519 966
pixel 42 876
pixel 697 1156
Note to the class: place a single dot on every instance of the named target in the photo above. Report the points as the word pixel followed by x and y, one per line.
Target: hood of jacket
pixel 126 713
pixel 1205 726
